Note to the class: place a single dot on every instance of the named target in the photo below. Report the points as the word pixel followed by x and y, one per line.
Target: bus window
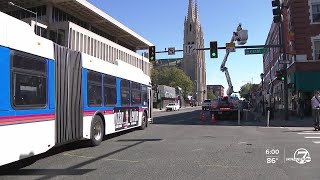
pixel 29 81
pixel 125 92
pixel 94 89
pixel 135 93
pixel 144 96
pixel 110 93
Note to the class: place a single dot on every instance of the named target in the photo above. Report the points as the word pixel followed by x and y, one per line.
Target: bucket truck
pixel 227 105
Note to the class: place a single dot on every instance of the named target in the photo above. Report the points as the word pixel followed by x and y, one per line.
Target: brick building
pixel 216 89
pixel 302 35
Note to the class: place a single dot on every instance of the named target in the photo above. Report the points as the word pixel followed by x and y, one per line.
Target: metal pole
pixel 268 118
pixel 12 4
pixel 263 112
pixel 246 115
pixel 160 99
pixel 36 24
pixel 238 117
pixel 285 86
pixel 236 47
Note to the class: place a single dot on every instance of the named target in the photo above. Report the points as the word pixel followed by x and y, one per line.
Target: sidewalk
pixel 280 122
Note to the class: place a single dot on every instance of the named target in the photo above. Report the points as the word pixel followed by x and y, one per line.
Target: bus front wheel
pixel 144 121
pixel 97 131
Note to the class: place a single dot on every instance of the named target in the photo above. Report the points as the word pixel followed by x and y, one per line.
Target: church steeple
pixel 196 11
pixel 194 65
pixel 191 15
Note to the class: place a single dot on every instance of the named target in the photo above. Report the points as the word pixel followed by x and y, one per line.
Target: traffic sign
pixel 230 47
pixel 190 49
pixel 255 51
pixel 171 51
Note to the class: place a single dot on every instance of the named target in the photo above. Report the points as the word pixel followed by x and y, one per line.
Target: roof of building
pixel 89 13
pixel 216 85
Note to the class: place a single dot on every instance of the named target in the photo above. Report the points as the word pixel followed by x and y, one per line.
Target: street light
pixel 35 13
pixel 262 76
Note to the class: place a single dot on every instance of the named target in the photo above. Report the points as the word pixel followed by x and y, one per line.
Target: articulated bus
pixel 51 95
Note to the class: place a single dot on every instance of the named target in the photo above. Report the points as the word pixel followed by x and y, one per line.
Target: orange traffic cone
pixel 213 120
pixel 202 117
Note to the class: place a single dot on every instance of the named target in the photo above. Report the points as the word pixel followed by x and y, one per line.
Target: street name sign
pixel 255 51
pixel 171 51
pixel 230 47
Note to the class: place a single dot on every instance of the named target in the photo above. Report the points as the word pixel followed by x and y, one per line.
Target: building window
pixel 28 81
pixel 110 93
pixel 317 49
pixel 125 92
pixel 94 89
pixel 316 12
pixel 190 27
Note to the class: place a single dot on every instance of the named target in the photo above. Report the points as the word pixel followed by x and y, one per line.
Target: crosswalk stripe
pixel 316 142
pixel 314 137
pixel 310 133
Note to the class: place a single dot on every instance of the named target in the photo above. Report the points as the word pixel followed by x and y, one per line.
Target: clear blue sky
pixel 162 22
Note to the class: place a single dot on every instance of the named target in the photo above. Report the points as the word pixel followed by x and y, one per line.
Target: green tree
pixel 245 91
pixel 172 76
pixel 211 95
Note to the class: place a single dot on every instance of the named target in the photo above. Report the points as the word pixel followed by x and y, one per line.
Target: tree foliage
pixel 245 91
pixel 171 76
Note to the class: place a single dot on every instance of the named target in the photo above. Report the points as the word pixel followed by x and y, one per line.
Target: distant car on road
pixel 206 104
pixel 172 107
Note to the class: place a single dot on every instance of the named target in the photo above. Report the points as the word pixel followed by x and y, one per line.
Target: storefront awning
pixel 307 81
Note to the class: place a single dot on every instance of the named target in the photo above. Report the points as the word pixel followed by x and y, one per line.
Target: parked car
pixel 206 104
pixel 225 107
pixel 172 107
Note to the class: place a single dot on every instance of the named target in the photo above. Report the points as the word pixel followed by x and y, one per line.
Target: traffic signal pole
pixel 284 55
pixel 237 47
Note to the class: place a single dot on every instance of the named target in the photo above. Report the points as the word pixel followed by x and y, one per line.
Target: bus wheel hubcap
pixel 97 131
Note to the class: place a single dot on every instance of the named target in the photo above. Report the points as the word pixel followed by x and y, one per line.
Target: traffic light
pixel 277 11
pixel 152 53
pixel 280 75
pixel 213 49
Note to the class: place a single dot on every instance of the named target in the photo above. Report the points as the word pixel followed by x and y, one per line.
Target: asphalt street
pixel 180 146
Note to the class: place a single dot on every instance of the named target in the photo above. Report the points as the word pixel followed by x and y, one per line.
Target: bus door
pixel 150 103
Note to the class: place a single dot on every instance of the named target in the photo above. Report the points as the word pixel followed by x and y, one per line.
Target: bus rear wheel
pixel 144 121
pixel 97 131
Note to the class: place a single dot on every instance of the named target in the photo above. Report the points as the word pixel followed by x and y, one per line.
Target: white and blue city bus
pixel 51 95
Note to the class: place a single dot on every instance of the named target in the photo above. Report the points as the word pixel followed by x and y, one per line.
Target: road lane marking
pixel 242 142
pixel 310 133
pixel 197 149
pixel 106 159
pixel 272 127
pixel 121 160
pixel 316 142
pixel 315 137
pixel 222 166
pixel 74 155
